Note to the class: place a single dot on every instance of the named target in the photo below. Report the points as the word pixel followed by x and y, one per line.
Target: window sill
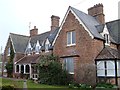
pixel 71 72
pixel 70 45
pixel 46 51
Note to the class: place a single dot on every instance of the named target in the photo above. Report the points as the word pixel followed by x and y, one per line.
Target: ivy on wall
pixel 9 65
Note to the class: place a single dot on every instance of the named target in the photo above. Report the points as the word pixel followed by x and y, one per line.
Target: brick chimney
pixel 54 22
pixel 97 12
pixel 34 31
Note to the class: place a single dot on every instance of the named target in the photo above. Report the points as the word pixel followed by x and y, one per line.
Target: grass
pixel 15 83
pixel 30 84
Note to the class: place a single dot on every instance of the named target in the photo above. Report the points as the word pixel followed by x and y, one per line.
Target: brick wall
pixel 86 47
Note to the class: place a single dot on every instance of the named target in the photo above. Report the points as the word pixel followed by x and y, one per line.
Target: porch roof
pixel 108 53
pixel 29 59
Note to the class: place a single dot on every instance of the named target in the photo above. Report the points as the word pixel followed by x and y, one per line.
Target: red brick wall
pixel 86 47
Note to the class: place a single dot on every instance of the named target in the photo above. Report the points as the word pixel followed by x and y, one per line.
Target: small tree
pixel 9 65
pixel 51 72
pixel 87 74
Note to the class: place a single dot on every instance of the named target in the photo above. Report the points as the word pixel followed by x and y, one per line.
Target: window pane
pixel 73 37
pixel 110 68
pixel 68 38
pixel 101 72
pixel 46 47
pixel 110 65
pixel 100 65
pixel 110 72
pixel 118 68
pixel 69 65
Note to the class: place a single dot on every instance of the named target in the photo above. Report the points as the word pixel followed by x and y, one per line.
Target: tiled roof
pixel 19 41
pixel 114 30
pixel 40 37
pixel 89 21
pixel 29 59
pixel 108 53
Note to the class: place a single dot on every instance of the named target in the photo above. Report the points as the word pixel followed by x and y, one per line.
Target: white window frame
pixel 71 38
pixel 107 39
pixel 37 48
pixel 106 69
pixel 47 45
pixel 8 51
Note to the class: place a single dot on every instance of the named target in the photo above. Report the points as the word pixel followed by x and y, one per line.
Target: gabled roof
pixel 19 42
pixel 108 53
pixel 114 30
pixel 88 22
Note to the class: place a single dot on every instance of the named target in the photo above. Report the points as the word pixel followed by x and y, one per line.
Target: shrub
pixel 80 86
pixel 7 87
pixel 105 85
pixel 51 72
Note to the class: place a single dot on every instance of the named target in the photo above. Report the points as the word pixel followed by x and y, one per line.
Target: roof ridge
pixel 19 34
pixel 41 34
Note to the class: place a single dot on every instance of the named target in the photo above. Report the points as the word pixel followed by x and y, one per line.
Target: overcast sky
pixel 15 15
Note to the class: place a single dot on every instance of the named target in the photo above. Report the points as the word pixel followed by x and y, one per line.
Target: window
pixel 100 68
pixel 69 65
pixel 46 47
pixel 118 68
pixel 27 69
pixel 29 49
pixel 47 44
pixel 37 48
pixel 17 68
pixel 105 68
pixel 8 51
pixel 71 38
pixel 106 37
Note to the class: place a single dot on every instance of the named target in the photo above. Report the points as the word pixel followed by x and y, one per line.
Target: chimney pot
pixel 97 12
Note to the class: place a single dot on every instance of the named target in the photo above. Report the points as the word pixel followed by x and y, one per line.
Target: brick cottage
pixel 88 46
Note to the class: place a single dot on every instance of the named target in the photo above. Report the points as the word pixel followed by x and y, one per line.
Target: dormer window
pixel 46 47
pixel 47 44
pixel 107 40
pixel 29 49
pixel 37 48
pixel 8 51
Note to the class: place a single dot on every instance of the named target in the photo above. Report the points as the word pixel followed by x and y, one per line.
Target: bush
pixel 105 85
pixel 51 72
pixel 7 87
pixel 80 86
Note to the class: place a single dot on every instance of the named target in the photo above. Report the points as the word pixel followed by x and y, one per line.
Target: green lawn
pixel 15 83
pixel 30 84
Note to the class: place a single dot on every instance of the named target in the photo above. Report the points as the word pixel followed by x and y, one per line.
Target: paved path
pixel 25 85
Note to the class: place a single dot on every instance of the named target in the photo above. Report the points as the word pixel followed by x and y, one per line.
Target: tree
pixel 51 72
pixel 9 65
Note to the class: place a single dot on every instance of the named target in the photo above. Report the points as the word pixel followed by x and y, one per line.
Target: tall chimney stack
pixel 34 31
pixel 54 22
pixel 97 12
